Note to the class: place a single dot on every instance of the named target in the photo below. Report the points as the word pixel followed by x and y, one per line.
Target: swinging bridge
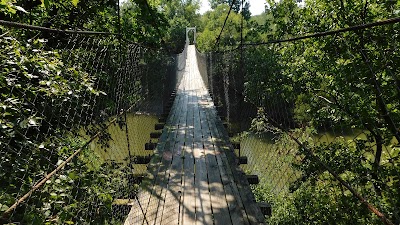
pixel 63 90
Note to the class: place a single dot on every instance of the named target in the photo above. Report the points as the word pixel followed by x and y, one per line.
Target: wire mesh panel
pixel 325 140
pixel 66 98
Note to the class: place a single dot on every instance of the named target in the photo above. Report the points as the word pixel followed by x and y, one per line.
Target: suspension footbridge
pixel 193 180
pixel 316 120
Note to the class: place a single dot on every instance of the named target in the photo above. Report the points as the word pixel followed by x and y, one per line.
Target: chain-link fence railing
pixel 325 138
pixel 70 139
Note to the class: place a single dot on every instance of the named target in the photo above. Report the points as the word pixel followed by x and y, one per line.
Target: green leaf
pixel 73 175
pixel 45 3
pixel 75 2
pixel 3 207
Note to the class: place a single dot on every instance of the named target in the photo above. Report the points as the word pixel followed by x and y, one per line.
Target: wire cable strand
pixel 223 26
pixel 332 32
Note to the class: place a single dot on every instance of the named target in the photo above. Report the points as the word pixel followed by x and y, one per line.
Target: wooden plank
pixel 189 199
pixel 139 209
pixel 159 184
pixel 235 217
pixel 173 196
pixel 219 196
pixel 198 132
pixel 174 164
pixel 160 181
pixel 237 210
pixel 236 214
pixel 203 202
pixel 265 208
pixel 179 111
pixel 185 87
pixel 218 199
pixel 170 212
pixel 192 178
pixel 138 214
pixel 240 182
pixel 164 185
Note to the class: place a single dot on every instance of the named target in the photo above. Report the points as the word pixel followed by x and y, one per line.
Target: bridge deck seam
pixel 191 179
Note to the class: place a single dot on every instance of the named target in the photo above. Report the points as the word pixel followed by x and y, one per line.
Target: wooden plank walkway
pixel 193 177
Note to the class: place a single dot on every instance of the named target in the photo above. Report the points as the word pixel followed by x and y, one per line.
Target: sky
pixel 256 6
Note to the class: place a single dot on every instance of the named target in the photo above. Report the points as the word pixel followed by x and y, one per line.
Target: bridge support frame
pixel 194 34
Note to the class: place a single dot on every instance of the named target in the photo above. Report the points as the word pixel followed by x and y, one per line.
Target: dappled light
pixel 146 112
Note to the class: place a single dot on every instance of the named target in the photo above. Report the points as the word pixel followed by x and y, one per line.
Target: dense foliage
pixel 339 84
pixel 60 90
pixel 73 14
pixel 236 6
pixel 36 85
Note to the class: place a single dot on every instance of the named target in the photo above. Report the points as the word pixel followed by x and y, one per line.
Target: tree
pixel 57 91
pixel 211 25
pixel 343 82
pixel 237 5
pixel 142 23
pixel 246 11
pixel 180 14
pixel 73 14
pixel 339 82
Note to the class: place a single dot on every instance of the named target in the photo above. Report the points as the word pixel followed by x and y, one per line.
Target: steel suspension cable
pixel 331 32
pixel 363 200
pixel 216 46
